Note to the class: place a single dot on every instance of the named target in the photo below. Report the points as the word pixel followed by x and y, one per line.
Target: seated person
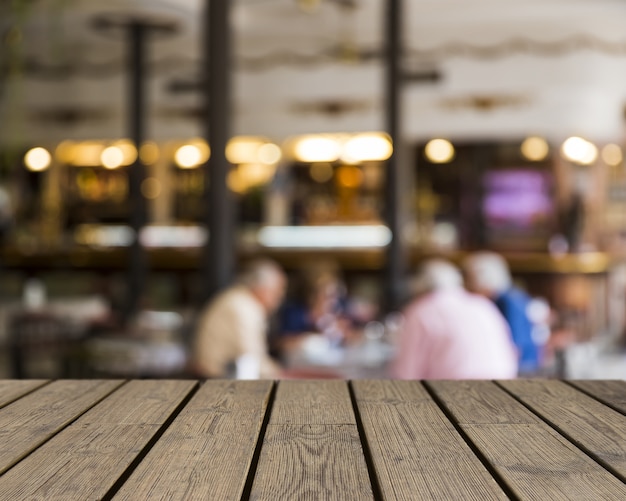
pixel 449 333
pixel 232 329
pixel 488 274
pixel 317 305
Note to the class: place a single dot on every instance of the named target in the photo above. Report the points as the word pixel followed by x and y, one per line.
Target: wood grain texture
pixel 312 449
pixel 29 422
pixel 612 393
pixel 585 421
pixel 416 451
pixel 483 403
pixel 85 459
pixel 534 460
pixel 208 449
pixel 312 402
pixel 12 389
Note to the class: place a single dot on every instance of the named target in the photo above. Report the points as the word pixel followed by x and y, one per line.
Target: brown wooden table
pixel 318 440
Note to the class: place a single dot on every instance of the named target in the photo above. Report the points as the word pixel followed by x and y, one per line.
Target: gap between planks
pixel 247 488
pixel 573 440
pixel 149 445
pixel 508 490
pixel 367 453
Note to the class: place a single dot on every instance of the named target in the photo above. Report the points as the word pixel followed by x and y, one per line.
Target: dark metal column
pixel 137 266
pixel 219 254
pixel 135 29
pixel 395 258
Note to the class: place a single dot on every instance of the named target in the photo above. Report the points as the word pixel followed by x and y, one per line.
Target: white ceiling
pixel 509 68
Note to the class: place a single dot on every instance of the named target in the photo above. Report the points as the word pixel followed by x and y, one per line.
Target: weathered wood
pixel 312 402
pixel 416 451
pixel 526 439
pixel 312 448
pixel 86 459
pixel 612 393
pixel 12 389
pixel 533 459
pixel 593 426
pixel 206 453
pixel 32 420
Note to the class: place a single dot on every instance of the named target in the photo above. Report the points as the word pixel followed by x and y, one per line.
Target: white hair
pixel 488 271
pixel 437 274
pixel 261 273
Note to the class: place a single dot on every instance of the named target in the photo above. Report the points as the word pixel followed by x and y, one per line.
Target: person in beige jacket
pixel 231 335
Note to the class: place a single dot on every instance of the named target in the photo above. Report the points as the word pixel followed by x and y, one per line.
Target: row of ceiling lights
pixel 347 148
pixel 534 148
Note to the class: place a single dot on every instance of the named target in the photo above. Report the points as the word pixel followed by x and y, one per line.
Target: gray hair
pixel 488 271
pixel 436 274
pixel 261 273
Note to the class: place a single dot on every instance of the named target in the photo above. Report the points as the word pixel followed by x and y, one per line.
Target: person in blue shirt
pixel 487 273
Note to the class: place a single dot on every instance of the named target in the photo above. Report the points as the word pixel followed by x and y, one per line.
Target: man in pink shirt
pixel 449 333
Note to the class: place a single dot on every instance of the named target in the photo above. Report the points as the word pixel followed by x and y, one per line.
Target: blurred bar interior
pixel 350 140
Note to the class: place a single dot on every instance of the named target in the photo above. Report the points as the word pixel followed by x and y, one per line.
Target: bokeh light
pixel 535 148
pixel 439 151
pixel 37 159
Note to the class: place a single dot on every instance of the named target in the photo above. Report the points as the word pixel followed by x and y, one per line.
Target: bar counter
pixel 348 440
pixel 174 259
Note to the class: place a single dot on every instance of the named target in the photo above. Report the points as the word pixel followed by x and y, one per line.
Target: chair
pixel 43 345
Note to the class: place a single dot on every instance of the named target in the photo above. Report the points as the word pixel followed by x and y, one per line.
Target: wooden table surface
pixel 317 440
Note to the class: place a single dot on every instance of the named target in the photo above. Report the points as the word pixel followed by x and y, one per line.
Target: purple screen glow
pixel 517 198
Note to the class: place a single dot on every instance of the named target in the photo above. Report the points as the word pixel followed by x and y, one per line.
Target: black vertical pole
pixel 393 187
pixel 137 263
pixel 219 254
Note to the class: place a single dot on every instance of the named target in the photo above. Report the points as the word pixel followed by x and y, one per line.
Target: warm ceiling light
pixel 612 155
pixel 579 150
pixel 37 159
pixel 87 154
pixel 439 151
pixel 112 157
pixel 591 154
pixel 64 152
pixel 321 172
pixel 535 148
pixel 255 174
pixel 367 147
pixel 317 149
pixel 129 152
pixel 203 147
pixel 188 156
pixel 243 149
pixel 269 153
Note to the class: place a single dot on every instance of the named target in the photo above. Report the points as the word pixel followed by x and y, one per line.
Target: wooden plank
pixel 86 459
pixel 533 459
pixel 32 420
pixel 612 393
pixel 416 451
pixel 207 451
pixel 598 429
pixel 312 402
pixel 312 448
pixel 12 389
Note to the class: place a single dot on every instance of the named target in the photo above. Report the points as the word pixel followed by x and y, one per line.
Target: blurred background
pixel 148 148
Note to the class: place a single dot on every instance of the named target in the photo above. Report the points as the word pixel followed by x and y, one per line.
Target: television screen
pixel 518 207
